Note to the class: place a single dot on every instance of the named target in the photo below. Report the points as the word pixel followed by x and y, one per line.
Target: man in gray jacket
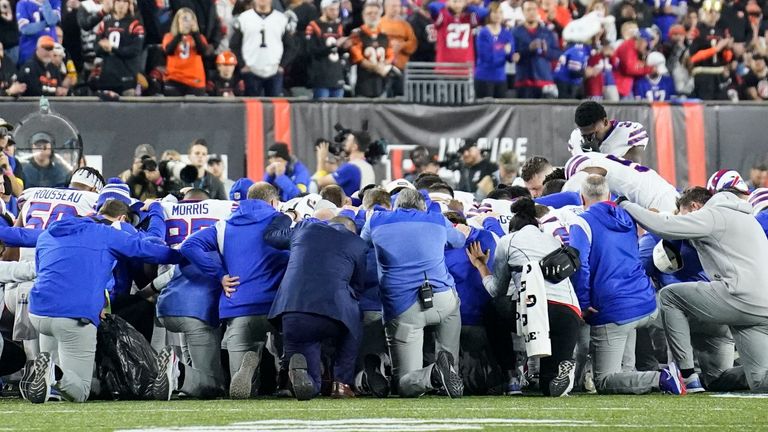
pixel 733 251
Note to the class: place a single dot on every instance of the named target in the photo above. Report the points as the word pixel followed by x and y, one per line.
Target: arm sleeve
pixel 129 246
pixel 434 10
pixel 694 225
pixel 411 42
pixel 357 282
pixel 365 234
pixel 156 226
pixel 301 174
pixel 87 21
pixel 315 45
pixel 201 44
pixel 17 271
pixel 19 237
pixel 131 47
pixel 278 233
pixel 498 283
pixel 196 247
pixel 286 186
pixel 170 43
pixel 580 279
pixel 484 46
pixel 32 28
pixel 493 225
pixel 456 239
pixel 553 47
pixel 631 65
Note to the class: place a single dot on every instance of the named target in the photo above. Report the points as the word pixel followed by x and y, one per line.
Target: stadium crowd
pixel 568 49
pixel 598 276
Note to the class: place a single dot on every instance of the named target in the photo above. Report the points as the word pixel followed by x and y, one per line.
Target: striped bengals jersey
pixel 638 183
pixel 622 136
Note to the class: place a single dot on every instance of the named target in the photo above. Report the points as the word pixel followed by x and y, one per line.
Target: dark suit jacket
pixel 326 270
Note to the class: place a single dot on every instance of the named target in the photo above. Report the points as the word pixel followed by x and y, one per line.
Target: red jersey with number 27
pixel 455 43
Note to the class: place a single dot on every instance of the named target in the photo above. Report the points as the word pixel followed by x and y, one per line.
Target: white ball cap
pixel 666 259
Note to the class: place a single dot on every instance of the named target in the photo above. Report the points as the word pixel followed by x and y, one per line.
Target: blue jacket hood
pixel 612 217
pixel 251 211
pixel 69 225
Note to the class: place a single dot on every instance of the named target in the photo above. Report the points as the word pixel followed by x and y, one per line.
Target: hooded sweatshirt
pixel 611 278
pixel 242 251
pixel 731 245
pixel 469 284
pixel 74 262
pixel 191 293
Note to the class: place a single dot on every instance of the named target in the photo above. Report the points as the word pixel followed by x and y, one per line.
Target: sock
pixel 57 373
pixel 687 372
pixel 180 380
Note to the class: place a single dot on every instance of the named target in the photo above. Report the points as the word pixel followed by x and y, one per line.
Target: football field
pixel 580 412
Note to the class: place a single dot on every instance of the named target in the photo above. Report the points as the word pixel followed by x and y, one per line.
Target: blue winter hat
pixel 118 191
pixel 239 190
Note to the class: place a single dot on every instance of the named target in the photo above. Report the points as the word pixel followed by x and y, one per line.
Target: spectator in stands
pixel 533 173
pixel 426 36
pixel 676 50
pixel 373 68
pixel 513 13
pixel 454 22
pixel 44 169
pixel 9 86
pixel 36 19
pixel 218 170
pixel 554 15
pixel 401 38
pixel 666 13
pixel 628 61
pixel 121 41
pixel 632 10
pixel 495 47
pixel 263 45
pixel 62 65
pixel 39 74
pixel 198 157
pixel 205 14
pixel 757 27
pixel 657 85
pixel 147 183
pixel 9 31
pixel 538 48
pixel 572 67
pixel 711 52
pixel 89 15
pixel 223 81
pixel 477 171
pixel 184 48
pixel 286 173
pixel 755 84
pixel 324 42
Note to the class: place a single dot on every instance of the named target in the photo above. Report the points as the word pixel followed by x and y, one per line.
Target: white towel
pixel 532 316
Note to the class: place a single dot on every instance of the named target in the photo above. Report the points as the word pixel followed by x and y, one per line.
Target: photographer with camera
pixel 356 172
pixel 476 172
pixel 147 182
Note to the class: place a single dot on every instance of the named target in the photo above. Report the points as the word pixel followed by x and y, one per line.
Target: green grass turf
pixel 650 412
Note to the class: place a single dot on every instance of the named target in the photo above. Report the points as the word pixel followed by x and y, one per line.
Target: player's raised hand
pixel 148 202
pixel 228 284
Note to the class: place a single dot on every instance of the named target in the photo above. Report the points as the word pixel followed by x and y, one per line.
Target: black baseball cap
pixel 467 145
pixel 280 150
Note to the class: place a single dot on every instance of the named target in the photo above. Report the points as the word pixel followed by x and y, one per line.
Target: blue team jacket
pixel 762 217
pixel 535 67
pixel 492 56
pixel 191 293
pixel 409 246
pixel 572 64
pixel 291 184
pixel 611 278
pixel 245 254
pixel 74 262
pixel 469 284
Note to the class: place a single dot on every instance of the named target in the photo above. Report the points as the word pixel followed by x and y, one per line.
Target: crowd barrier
pixel 687 141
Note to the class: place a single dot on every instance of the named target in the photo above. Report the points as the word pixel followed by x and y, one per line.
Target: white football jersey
pixel 502 207
pixel 303 206
pixel 184 218
pixel 638 183
pixel 42 206
pixel 262 40
pixel 558 221
pixel 623 136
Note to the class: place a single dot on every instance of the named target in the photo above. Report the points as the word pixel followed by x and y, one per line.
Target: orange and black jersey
pixel 326 66
pixel 373 46
pixel 218 86
pixel 121 64
pixel 185 58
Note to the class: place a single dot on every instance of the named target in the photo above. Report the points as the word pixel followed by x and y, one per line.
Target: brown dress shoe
pixel 342 391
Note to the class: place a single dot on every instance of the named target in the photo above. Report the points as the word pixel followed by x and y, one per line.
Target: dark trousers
pixel 707 87
pixel 499 323
pixel 529 93
pixel 303 333
pixel 490 89
pixel 12 357
pixel 563 333
pixel 569 91
pixel 258 86
pixel 175 88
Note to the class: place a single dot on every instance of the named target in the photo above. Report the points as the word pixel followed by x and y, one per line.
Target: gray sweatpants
pixel 405 336
pixel 243 334
pixel 203 376
pixel 72 345
pixel 700 301
pixel 609 344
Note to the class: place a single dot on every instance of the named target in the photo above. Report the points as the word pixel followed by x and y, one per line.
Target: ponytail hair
pixel 524 210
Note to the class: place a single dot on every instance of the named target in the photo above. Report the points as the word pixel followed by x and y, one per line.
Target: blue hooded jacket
pixel 611 279
pixel 409 245
pixel 74 262
pixel 291 184
pixel 469 284
pixel 191 293
pixel 245 254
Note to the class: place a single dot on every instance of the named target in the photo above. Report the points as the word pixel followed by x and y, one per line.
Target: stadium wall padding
pixel 688 141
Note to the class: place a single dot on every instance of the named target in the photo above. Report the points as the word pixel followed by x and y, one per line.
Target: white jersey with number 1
pixel 184 218
pixel 42 206
pixel 638 183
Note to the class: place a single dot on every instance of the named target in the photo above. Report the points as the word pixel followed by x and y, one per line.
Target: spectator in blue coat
pixel 570 71
pixel 286 173
pixel 318 300
pixel 658 85
pixel 250 271
pixel 538 48
pixel 495 46
pixel 74 259
pixel 36 19
pixel 615 294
